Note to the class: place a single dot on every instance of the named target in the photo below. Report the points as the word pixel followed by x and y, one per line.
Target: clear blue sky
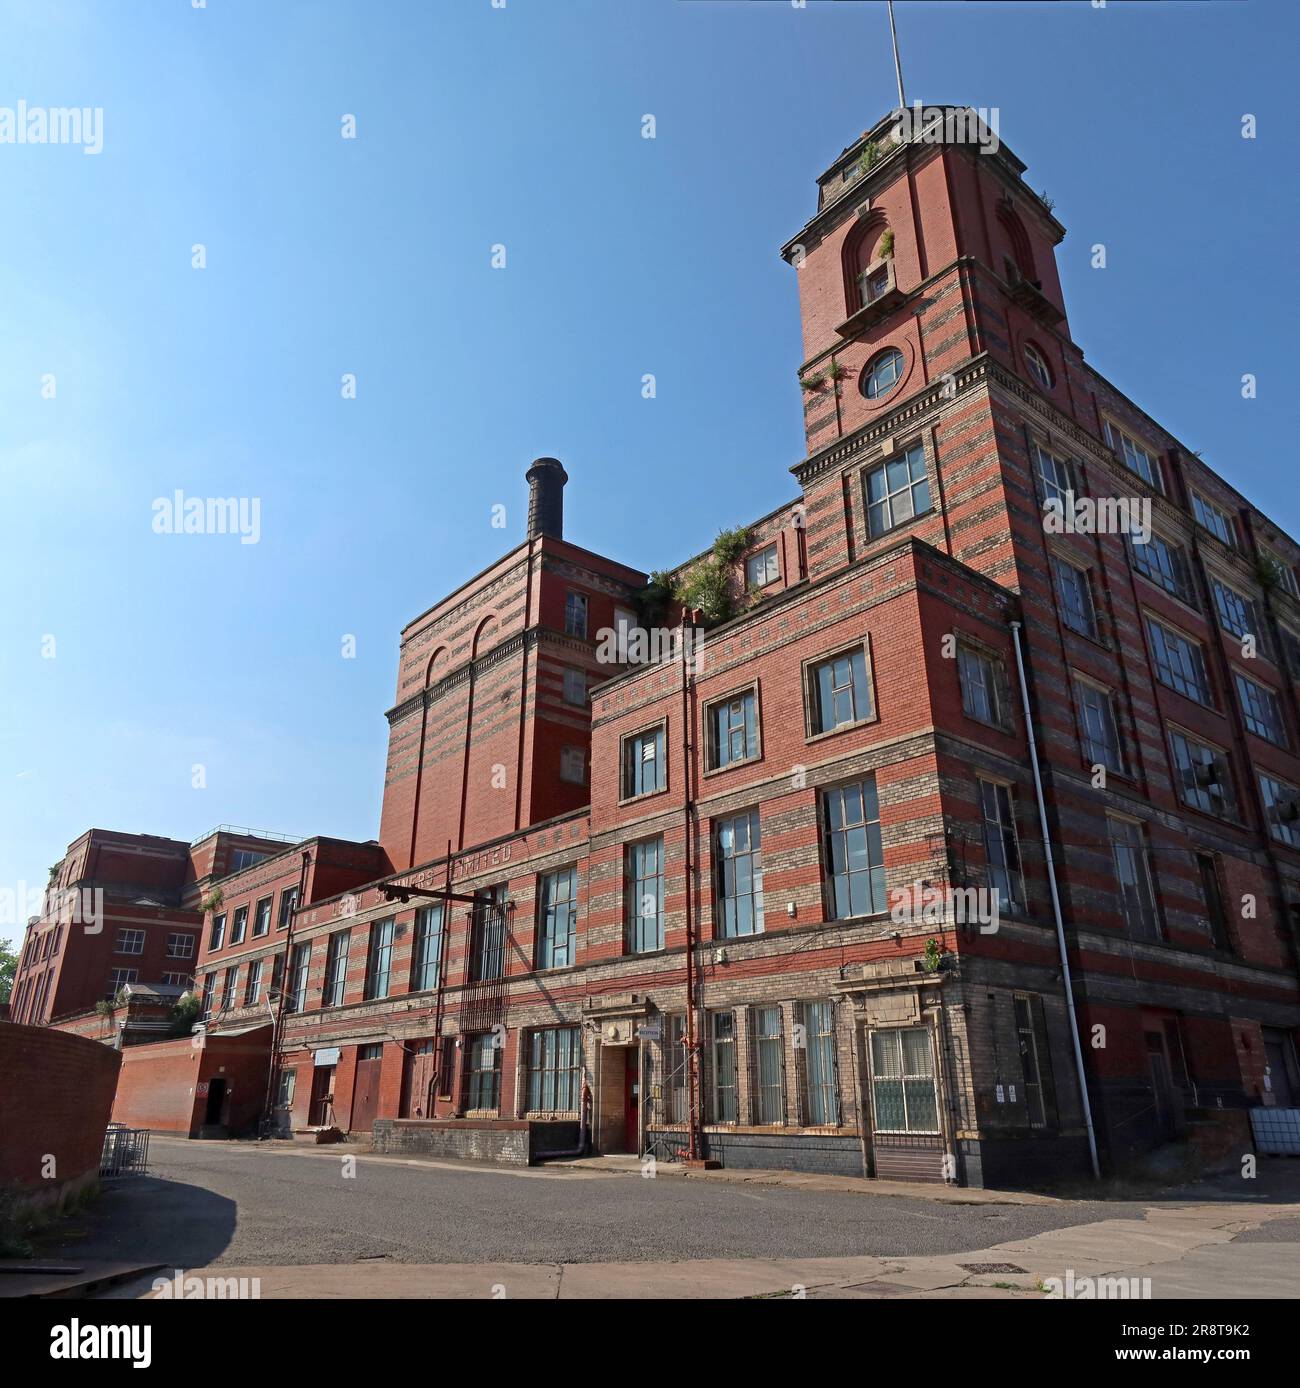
pixel 519 126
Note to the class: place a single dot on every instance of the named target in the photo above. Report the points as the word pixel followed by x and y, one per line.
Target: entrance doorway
pixel 632 1101
pixel 216 1102
pixel 321 1112
pixel 365 1093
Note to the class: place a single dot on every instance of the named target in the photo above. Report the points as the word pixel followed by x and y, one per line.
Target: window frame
pixel 129 940
pixel 1271 701
pixel 217 932
pixel 544 1060
pixel 1231 811
pixel 723 1097
pixel 873 845
pixel 1205 512
pixel 336 967
pixel 766 1044
pixel 572 674
pixel 1279 828
pixel 1010 868
pixel 1092 629
pixel 754 853
pixel 888 353
pixel 475 1086
pixel 1040 369
pixel 183 935
pixel 1083 684
pixel 239 926
pixel 379 959
pixel 625 780
pixel 820 1081
pixel 1177 581
pixel 1154 624
pixel 568 753
pixel 546 950
pixel 575 601
pixel 903 1077
pixel 634 895
pixel 751 730
pixel 906 455
pixel 1121 443
pixel 426 947
pixel 262 923
pixel 1142 848
pixel 768 552
pixel 812 702
pixel 996 685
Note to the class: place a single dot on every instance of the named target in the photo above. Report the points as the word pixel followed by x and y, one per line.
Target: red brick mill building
pixel 671 881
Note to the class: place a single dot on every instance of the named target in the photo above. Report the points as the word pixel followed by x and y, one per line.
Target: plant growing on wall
pixel 869 157
pixel 655 597
pixel 707 588
pixel 185 1013
pixel 213 901
pixel 1268 572
pixel 933 955
pixel 887 244
pixel 835 371
pixel 814 380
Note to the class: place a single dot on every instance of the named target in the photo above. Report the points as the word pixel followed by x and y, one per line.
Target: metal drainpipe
pixel 277 1025
pixel 693 1144
pixel 1066 984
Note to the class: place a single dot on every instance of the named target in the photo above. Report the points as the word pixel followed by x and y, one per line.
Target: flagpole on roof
pixel 898 66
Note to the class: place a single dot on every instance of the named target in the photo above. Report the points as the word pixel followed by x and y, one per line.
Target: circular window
pixel 883 374
pixel 1038 367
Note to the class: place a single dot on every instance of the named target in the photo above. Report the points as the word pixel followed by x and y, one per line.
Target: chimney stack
pixel 546 479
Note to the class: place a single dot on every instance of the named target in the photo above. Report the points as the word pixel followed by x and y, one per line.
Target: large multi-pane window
pixel 733 730
pixel 1179 662
pixel 487 949
pixel 903 1094
pixel 1074 592
pixel 644 767
pixel 117 980
pixel 239 926
pixel 300 960
pixel 379 960
pixel 740 875
pixel 1164 563
pixel 1133 873
pixel 179 946
pixel 676 1068
pixel 243 858
pixel 483 1074
pixel 722 1066
pixel 209 993
pixel 1055 477
pixel 336 968
pixel 981 686
pixel 1001 847
pixel 821 1087
pixel 769 1065
pixel 426 952
pixel 853 860
pixel 897 491
pixel 288 903
pixel 1135 457
pixel 1281 809
pixel 762 568
pixel 838 691
pixel 1237 614
pixel 575 686
pixel 1216 521
pixel 1204 776
pixel 645 896
pixel 1035 1062
pixel 262 918
pixel 253 987
pixel 575 614
pixel 229 986
pixel 558 923
pixel 555 1070
pixel 1262 710
pixel 1097 726
pixel 1282 571
pixel 129 942
pixel 217 935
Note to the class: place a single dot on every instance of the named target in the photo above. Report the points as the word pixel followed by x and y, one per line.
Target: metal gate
pixel 126 1151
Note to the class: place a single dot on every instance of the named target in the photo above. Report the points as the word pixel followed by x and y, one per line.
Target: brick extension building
pixel 707 852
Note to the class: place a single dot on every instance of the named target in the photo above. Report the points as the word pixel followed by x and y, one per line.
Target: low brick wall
pixel 509 1142
pixel 56 1093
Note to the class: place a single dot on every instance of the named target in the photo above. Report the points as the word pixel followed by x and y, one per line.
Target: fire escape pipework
pixel 1050 864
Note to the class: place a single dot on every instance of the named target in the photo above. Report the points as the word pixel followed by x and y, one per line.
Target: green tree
pixel 8 967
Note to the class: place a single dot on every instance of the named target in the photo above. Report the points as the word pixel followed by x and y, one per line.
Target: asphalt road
pixel 239 1205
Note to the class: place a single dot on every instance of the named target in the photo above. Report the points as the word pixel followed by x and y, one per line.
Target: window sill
pixel 810 738
pixel 644 795
pixel 732 766
pixel 900 526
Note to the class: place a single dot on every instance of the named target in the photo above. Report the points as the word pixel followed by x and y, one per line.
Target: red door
pixel 365 1092
pixel 421 1063
pixel 631 1112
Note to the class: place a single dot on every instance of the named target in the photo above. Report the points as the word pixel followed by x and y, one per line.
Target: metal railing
pixel 126 1151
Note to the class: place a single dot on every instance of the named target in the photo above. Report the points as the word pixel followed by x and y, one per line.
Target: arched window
pixel 866 272
pixel 883 373
pixel 1021 264
pixel 1038 367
